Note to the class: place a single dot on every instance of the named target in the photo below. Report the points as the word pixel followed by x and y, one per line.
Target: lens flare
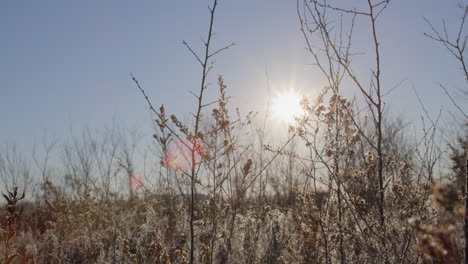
pixel 287 106
pixel 179 155
pixel 135 182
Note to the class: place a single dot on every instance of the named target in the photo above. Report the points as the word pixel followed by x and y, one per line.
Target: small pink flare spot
pixel 135 182
pixel 184 155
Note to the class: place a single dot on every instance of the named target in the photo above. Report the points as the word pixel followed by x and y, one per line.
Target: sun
pixel 287 106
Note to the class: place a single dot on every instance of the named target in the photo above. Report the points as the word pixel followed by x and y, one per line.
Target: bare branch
pixel 453 101
pixel 218 51
pixel 193 52
pixel 349 11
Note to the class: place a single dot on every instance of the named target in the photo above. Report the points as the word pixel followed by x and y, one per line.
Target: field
pixel 348 182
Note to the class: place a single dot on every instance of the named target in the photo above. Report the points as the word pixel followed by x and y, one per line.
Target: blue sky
pixel 68 63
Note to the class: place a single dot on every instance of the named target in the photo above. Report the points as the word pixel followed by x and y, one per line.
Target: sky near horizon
pixel 66 64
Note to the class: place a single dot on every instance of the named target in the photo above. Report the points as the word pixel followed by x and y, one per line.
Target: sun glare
pixel 287 106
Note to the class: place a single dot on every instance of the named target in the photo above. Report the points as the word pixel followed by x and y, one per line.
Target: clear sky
pixel 68 63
